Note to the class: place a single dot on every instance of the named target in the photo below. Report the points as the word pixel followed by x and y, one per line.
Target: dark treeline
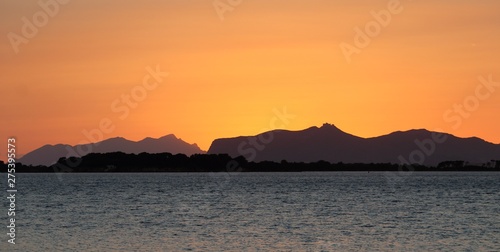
pixel 166 162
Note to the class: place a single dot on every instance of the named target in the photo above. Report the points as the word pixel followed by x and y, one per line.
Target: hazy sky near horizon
pixel 228 73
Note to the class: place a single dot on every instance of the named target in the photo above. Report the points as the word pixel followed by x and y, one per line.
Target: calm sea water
pixel 257 212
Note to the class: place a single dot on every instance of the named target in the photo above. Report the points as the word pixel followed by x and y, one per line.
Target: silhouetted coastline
pixel 167 162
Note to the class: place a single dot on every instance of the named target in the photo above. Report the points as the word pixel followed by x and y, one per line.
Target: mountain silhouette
pixel 331 144
pixel 49 154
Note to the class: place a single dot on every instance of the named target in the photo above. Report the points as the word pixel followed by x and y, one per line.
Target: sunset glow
pixel 433 65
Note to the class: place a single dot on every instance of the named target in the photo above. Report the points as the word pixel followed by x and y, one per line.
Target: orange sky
pixel 226 76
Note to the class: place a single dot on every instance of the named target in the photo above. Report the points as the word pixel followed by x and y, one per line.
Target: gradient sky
pixel 226 76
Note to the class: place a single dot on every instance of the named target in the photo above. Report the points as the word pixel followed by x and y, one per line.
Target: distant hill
pixel 49 154
pixel 331 144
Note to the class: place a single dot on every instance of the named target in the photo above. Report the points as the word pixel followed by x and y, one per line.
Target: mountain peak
pixel 331 144
pixel 169 136
pixel 328 126
pixel 325 126
pixel 166 137
pixel 115 139
pixel 49 154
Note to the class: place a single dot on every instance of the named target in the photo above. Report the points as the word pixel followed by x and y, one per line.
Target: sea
pixel 308 211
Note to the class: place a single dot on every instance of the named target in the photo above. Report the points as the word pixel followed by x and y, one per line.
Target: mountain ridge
pixel 327 142
pixel 331 144
pixel 49 154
